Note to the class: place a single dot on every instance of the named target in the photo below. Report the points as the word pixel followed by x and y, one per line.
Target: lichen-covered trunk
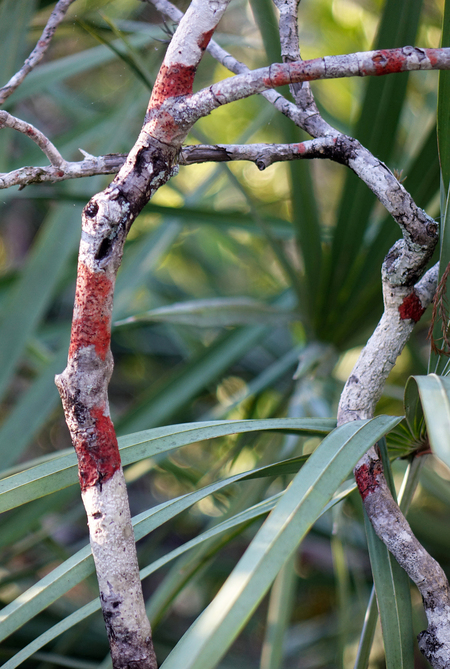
pixel 83 385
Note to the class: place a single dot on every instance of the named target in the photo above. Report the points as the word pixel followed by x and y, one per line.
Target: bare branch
pixel 362 64
pixel 83 385
pixel 291 111
pixel 39 50
pixel 91 166
pixel 263 155
pixel 403 308
pixel 310 118
pixel 52 153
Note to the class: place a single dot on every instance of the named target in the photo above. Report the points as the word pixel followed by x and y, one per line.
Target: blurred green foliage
pixel 303 241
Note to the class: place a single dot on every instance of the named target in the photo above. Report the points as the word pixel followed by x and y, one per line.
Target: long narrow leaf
pixel 434 394
pixel 443 113
pixel 30 297
pixel 80 565
pixel 213 632
pixel 244 518
pixel 61 472
pixel 214 312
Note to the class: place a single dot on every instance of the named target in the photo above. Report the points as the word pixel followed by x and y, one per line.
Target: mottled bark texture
pixel 106 220
pixel 83 385
pixel 404 305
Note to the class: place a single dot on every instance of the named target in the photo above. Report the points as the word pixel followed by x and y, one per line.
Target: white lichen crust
pixel 123 607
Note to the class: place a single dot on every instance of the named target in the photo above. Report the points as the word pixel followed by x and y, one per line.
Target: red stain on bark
pixel 367 478
pixel 172 81
pixel 431 55
pixel 411 307
pixel 91 325
pixel 301 148
pixel 97 451
pixel 278 76
pixel 205 39
pixel 388 61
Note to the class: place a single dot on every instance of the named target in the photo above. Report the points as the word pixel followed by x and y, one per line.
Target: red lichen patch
pixel 431 55
pixel 411 307
pixel 388 61
pixel 92 324
pixel 97 452
pixel 163 126
pixel 205 39
pixel 278 76
pixel 306 70
pixel 172 81
pixel 367 478
pixel 301 148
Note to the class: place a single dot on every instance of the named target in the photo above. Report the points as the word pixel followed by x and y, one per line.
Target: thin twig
pixel 50 150
pixel 92 166
pixel 39 50
pixel 263 155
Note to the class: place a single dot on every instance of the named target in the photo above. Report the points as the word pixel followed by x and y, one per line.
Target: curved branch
pixel 50 150
pixel 83 385
pixel 39 50
pixel 403 308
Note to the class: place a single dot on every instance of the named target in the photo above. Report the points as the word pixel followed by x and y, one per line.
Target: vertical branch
pixel 310 119
pixel 83 385
pixel 404 306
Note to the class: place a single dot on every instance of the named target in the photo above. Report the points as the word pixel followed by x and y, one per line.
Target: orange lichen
pixel 278 76
pixel 92 324
pixel 411 307
pixel 172 81
pixel 367 478
pixel 389 61
pixel 205 39
pixel 97 451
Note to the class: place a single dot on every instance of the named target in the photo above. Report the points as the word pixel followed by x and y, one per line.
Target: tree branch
pixel 39 50
pixel 404 263
pixel 263 155
pixel 83 385
pixel 106 220
pixel 90 166
pixel 50 150
pixel 362 64
pixel 403 308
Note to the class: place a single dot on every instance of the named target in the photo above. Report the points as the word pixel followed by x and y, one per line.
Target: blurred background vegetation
pixel 273 266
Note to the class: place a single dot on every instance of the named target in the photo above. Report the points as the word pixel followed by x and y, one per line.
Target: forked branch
pixel 106 220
